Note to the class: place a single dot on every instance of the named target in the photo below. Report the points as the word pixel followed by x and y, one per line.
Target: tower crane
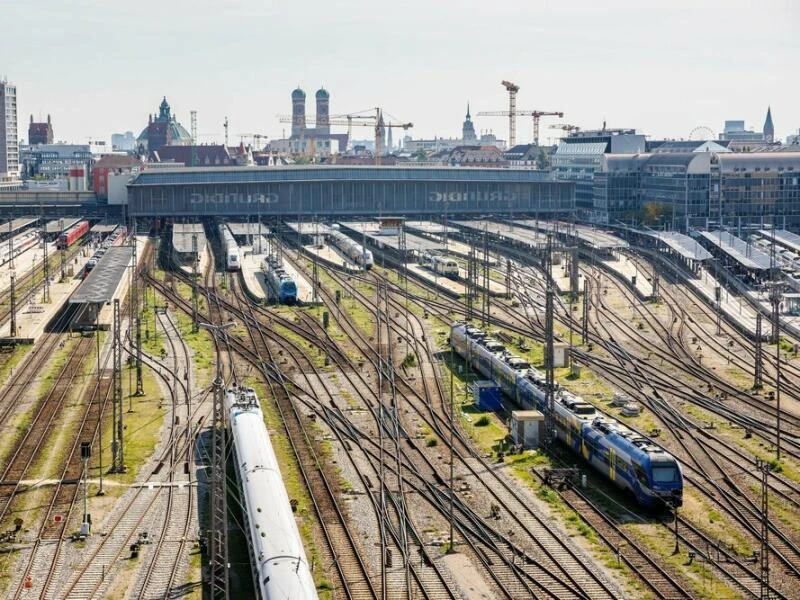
pixel 565 127
pixel 375 121
pixel 512 89
pixel 536 114
pixel 256 137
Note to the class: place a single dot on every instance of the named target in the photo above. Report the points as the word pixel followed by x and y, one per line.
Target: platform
pixel 733 306
pixel 33 316
pixel 32 257
pixel 202 263
pixel 253 276
pixel 256 283
pixel 182 237
pixel 103 228
pixel 628 272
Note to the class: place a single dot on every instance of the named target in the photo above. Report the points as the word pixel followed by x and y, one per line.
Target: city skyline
pixel 664 71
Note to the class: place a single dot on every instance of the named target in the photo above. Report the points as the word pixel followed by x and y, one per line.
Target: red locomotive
pixel 72 235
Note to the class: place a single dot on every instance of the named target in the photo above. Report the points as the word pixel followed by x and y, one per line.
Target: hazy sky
pixel 662 67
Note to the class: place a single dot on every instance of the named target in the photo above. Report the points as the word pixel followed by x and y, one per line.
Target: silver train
pixel 279 562
pixel 230 247
pixel 352 249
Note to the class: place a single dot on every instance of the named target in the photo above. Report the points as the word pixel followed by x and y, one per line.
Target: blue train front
pixel 629 460
pixel 281 282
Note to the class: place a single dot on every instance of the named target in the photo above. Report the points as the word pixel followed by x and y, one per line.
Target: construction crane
pixel 536 114
pixel 512 90
pixel 256 137
pixel 565 127
pixel 375 121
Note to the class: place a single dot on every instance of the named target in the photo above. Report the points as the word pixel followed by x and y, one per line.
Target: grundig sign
pixel 494 197
pixel 233 198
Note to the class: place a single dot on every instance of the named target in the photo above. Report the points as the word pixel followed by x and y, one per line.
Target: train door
pixel 612 469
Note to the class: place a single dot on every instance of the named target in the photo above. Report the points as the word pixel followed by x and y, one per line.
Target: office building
pixel 123 142
pixel 9 138
pixel 54 161
pixel 687 190
pixel 578 158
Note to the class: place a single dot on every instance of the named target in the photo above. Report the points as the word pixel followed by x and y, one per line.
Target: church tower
pixel 468 130
pixel 769 129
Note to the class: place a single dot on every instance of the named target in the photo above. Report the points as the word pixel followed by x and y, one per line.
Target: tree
pixel 541 161
pixel 652 212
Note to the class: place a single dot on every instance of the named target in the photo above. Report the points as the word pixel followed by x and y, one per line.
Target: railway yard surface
pixel 399 479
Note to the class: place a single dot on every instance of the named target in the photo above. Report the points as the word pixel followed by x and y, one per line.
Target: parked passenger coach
pixel 276 548
pixel 230 248
pixel 629 460
pixel 352 249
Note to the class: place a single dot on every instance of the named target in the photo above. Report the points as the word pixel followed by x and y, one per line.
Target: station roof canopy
pixel 413 242
pixel 16 224
pixel 429 227
pixel 683 245
pixel 785 238
pixel 739 250
pixel 102 282
pixel 241 229
pixel 59 225
pixel 104 228
pixel 595 238
pixel 506 230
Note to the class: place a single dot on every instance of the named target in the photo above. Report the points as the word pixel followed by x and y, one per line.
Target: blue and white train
pixel 279 562
pixel 629 460
pixel 352 249
pixel 230 248
pixel 282 283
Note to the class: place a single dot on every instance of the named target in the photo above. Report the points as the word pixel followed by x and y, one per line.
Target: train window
pixel 640 474
pixel 664 474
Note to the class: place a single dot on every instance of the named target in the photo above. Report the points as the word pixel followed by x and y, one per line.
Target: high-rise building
pixel 40 133
pixel 123 142
pixel 9 139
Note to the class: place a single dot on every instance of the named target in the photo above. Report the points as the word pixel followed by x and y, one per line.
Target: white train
pixel 21 244
pixel 352 249
pixel 230 247
pixel 276 549
pixel 442 265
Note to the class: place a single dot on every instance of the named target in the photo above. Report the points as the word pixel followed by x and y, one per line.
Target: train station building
pixel 337 190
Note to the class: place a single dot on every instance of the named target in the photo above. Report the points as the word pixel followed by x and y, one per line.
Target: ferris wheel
pixel 702 133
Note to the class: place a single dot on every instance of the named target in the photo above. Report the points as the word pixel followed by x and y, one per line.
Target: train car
pixel 352 250
pixel 627 459
pixel 230 248
pixel 72 235
pixel 442 265
pixel 282 283
pixel 280 566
